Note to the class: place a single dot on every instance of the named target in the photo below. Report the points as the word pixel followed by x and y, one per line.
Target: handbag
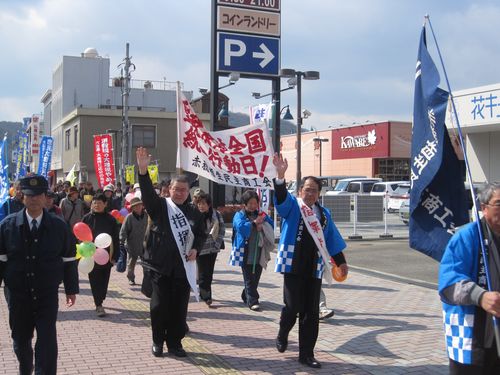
pixel 147 284
pixel 121 264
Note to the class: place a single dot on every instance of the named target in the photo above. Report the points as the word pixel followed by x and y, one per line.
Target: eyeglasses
pixel 496 204
pixel 311 191
pixel 179 190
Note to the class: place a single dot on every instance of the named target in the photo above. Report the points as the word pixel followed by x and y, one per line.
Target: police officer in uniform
pixel 36 253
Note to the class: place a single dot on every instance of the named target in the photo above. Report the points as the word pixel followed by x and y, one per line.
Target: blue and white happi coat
pixel 290 234
pixel 242 228
pixel 460 262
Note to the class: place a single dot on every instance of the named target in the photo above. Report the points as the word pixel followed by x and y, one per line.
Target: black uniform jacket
pixel 37 268
pixel 161 253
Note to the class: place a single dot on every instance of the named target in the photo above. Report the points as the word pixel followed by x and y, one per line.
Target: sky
pixel 365 50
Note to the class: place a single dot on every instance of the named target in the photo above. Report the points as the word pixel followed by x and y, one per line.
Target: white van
pixel 387 187
pixel 354 186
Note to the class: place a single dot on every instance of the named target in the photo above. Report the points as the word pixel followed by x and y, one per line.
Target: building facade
pixel 85 101
pixel 379 149
pixel 478 111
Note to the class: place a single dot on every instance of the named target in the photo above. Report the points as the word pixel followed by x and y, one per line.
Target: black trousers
pixel 26 315
pixel 99 281
pixel 250 295
pixel 206 264
pixel 491 365
pixel 168 309
pixel 301 296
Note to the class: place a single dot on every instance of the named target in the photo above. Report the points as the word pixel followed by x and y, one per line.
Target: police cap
pixel 34 185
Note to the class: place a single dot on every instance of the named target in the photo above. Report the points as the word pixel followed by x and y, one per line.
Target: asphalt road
pixel 392 259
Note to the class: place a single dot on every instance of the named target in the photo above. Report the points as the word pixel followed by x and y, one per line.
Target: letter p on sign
pixel 239 50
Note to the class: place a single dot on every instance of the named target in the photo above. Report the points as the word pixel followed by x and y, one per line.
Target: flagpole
pixel 496 323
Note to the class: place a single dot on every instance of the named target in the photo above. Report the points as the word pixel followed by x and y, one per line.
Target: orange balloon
pixel 12 192
pixel 337 274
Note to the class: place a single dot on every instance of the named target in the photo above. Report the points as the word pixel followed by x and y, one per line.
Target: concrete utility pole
pixel 126 149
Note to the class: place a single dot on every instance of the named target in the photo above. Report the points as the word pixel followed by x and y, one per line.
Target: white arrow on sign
pixel 266 55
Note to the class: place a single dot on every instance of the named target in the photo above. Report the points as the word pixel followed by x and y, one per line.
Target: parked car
pixel 354 186
pixel 400 195
pixel 404 212
pixel 328 183
pixel 404 209
pixel 386 187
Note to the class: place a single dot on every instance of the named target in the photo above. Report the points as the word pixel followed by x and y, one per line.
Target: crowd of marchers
pixel 176 237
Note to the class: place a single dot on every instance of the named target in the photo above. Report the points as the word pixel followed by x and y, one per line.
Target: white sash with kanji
pixel 184 238
pixel 314 228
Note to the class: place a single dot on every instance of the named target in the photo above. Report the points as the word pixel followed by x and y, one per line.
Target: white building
pixel 86 100
pixel 478 112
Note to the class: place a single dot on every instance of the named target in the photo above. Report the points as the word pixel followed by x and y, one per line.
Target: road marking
pixel 397 278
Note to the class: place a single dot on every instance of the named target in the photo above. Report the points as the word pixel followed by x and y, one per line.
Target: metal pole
pixel 299 129
pixel 320 152
pixel 126 146
pixel 276 90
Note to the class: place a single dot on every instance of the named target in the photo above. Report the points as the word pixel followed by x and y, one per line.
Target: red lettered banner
pixel 103 160
pixel 238 157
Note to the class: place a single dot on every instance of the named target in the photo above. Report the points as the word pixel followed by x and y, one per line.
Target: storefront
pixel 373 150
pixel 479 115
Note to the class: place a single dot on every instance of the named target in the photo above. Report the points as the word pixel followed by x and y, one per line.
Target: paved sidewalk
pixel 380 327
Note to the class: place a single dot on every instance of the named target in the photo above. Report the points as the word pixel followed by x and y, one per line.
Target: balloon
pixel 103 240
pixel 85 265
pixel 12 192
pixel 129 197
pixel 87 249
pixel 78 255
pixel 101 256
pixel 337 275
pixel 124 211
pixel 82 232
pixel 138 194
pixel 115 213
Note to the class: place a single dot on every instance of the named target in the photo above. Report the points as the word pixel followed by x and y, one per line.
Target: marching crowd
pixel 178 240
pixel 176 237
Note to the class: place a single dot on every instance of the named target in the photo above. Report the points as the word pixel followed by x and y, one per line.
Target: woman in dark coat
pixel 99 222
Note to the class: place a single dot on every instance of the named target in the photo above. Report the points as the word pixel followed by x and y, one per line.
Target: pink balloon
pixel 129 197
pixel 83 232
pixel 101 256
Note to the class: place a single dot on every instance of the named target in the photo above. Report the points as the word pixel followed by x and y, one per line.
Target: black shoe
pixel 178 352
pixel 281 344
pixel 157 350
pixel 310 361
pixel 244 297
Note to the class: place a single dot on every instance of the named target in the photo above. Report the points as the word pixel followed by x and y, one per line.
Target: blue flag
pixel 437 199
pixel 46 146
pixel 4 176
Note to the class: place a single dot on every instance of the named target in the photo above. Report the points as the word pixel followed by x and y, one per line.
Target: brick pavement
pixel 380 327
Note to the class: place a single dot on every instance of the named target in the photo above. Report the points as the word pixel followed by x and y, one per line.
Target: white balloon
pixel 103 240
pixel 85 265
pixel 138 194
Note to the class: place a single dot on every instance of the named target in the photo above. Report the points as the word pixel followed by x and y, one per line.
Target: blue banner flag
pixel 46 146
pixel 437 199
pixel 21 155
pixel 4 175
